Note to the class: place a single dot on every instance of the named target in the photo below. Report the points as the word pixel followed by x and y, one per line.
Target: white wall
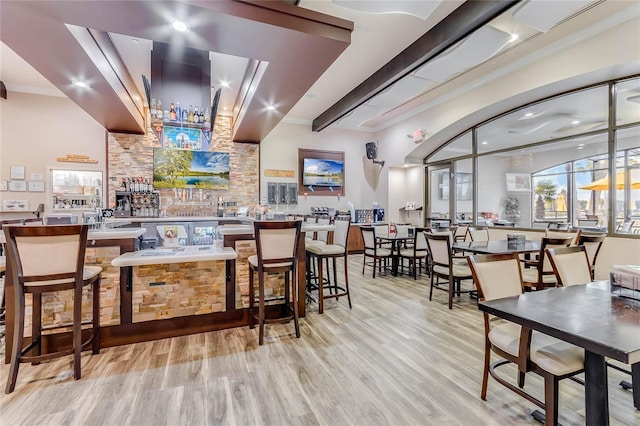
pixel 406 184
pixel 35 130
pixel 279 150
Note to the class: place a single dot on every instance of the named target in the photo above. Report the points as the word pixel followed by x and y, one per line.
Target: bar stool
pixel 276 252
pixel 46 259
pixel 333 251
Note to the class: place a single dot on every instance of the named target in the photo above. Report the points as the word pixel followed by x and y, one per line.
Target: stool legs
pixel 18 334
pixel 36 325
pixel 261 314
pixel 294 288
pixel 96 317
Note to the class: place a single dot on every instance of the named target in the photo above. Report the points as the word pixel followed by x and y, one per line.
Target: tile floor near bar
pixel 394 359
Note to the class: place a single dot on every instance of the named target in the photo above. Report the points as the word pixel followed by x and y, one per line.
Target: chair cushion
pixel 88 273
pixel 308 242
pixel 381 252
pixel 327 249
pixel 506 337
pixel 530 275
pixel 409 253
pixel 253 261
pixel 458 270
pixel 3 263
pixel 555 356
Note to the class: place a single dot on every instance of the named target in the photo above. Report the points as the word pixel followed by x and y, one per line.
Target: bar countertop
pixel 174 255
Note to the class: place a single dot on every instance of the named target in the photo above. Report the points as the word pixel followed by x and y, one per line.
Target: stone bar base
pixel 170 290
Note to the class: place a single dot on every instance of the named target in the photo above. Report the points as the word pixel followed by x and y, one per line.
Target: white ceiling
pixel 376 39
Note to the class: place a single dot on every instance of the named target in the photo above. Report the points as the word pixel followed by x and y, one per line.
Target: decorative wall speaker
pixel 372 150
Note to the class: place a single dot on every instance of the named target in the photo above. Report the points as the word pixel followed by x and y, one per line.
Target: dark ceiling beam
pixel 463 21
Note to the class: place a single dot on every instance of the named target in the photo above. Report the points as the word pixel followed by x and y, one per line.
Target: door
pixel 439 194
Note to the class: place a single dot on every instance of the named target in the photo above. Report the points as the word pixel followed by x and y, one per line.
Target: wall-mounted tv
pixel 321 172
pixel 178 168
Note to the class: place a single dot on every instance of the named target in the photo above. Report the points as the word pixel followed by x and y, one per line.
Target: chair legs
pixel 335 295
pixel 77 332
pixel 550 400
pixel 18 335
pixel 485 372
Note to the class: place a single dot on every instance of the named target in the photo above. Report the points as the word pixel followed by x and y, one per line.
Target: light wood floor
pixel 395 359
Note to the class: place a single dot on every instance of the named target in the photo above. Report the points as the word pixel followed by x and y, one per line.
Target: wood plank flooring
pixel 394 359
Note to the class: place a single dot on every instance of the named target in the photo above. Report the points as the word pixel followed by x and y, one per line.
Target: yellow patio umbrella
pixel 603 184
pixel 561 203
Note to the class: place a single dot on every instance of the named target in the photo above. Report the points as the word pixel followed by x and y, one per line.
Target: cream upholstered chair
pixel 46 259
pixel 499 276
pixel 477 233
pixel 570 264
pixel 538 274
pixel 276 252
pixel 445 264
pixel 592 244
pixel 333 251
pixel 417 253
pixel 563 233
pixel 373 250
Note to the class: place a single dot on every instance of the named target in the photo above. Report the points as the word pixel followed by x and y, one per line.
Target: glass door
pixel 439 195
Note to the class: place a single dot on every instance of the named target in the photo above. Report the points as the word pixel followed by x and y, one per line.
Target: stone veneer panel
pixel 189 288
pixel 132 156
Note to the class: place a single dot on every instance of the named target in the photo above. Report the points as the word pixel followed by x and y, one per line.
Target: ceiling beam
pixel 466 19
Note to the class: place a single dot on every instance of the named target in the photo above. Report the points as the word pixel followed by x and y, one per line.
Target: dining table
pixel 496 247
pixel 590 316
pixel 396 239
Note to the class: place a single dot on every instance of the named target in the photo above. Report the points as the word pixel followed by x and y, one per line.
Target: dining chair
pixel 417 253
pixel 498 276
pixel 45 259
pixel 562 233
pixel 538 273
pixel 588 222
pixel 333 251
pixel 276 253
pixel 461 233
pixel 559 226
pixel 478 233
pixel 570 265
pixel 445 265
pixel 378 253
pixel 592 244
pixel 625 227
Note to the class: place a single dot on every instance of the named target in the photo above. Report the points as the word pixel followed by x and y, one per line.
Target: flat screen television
pixel 179 168
pixel 317 172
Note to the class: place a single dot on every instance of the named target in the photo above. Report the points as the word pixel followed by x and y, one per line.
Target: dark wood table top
pixel 589 316
pixel 496 247
pixel 394 237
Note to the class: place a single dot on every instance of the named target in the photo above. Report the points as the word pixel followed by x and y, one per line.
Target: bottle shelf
pixel 162 123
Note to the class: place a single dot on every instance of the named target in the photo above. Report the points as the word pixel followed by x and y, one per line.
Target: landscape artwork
pixel 177 168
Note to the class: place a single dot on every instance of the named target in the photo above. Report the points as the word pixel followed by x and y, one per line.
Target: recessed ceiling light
pixel 514 37
pixel 574 122
pixel 224 108
pixel 224 83
pixel 529 114
pixel 484 142
pixel 135 40
pixel 580 147
pixel 180 26
pixel 81 84
pixel 310 95
pixel 271 108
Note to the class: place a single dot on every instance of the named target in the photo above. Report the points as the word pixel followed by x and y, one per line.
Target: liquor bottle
pixel 207 116
pixel 159 113
pixel 178 112
pixel 185 115
pixel 196 115
pixel 190 116
pixel 201 115
pixel 153 109
pixel 172 113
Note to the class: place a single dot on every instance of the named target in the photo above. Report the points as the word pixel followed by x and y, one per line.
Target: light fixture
pixel 180 26
pixel 81 84
pixel 574 122
pixel 484 142
pixel 224 83
pixel 529 114
pixel 513 38
pixel 270 108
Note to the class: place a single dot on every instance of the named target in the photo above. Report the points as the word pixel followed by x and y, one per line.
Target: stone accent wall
pixel 132 156
pixel 189 288
pixel 109 282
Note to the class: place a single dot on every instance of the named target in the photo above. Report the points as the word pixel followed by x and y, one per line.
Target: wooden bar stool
pixel 46 259
pixel 276 252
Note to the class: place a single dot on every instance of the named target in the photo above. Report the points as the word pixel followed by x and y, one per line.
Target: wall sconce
pixel 305 195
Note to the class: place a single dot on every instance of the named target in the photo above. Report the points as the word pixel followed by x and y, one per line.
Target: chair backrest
pixel 496 275
pixel 626 226
pixel 546 243
pixel 439 247
pixel 402 229
pixel 587 222
pixel 381 230
pixel 323 235
pixel 420 241
pixel 563 233
pixel 478 233
pixel 46 253
pixel 369 237
pixel 570 264
pixel 592 244
pixel 276 241
pixel 341 233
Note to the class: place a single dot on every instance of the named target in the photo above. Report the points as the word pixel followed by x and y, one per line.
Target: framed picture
pixel 17 172
pixel 18 185
pixel 36 186
pixel 518 182
pixel 4 185
pixel 14 205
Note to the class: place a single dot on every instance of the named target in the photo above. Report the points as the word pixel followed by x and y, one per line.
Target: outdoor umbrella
pixel 603 184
